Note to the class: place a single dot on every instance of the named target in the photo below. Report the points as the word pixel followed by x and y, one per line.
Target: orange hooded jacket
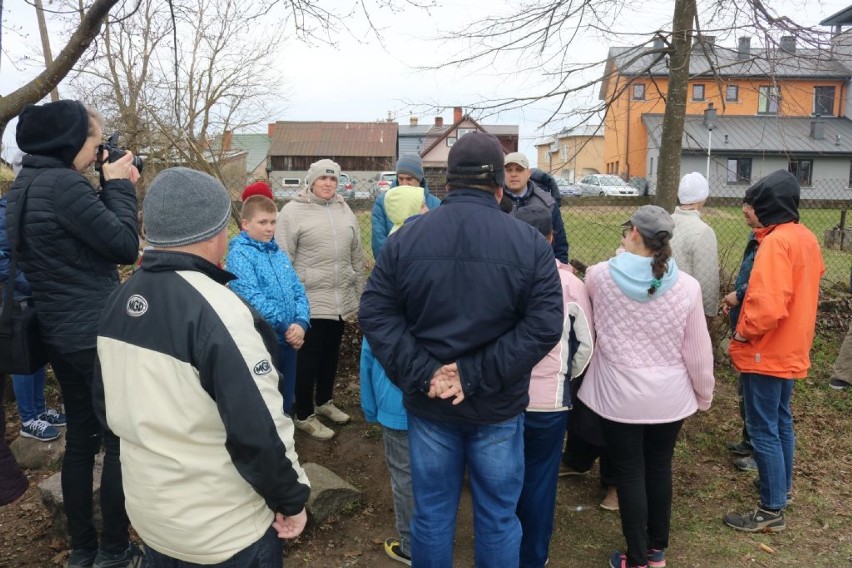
pixel 780 306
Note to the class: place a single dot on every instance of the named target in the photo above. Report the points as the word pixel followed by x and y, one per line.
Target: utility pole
pixel 45 44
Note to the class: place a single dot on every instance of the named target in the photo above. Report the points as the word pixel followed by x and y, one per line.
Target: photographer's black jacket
pixel 72 238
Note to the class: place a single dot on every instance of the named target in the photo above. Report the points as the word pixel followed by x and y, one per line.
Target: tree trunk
pixel 668 165
pixel 32 92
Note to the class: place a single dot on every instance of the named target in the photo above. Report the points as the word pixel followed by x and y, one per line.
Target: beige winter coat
pixel 695 250
pixel 323 239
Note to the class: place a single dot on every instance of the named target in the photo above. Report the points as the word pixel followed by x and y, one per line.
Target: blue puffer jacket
pixel 465 283
pixel 22 287
pixel 741 283
pixel 267 281
pixel 381 225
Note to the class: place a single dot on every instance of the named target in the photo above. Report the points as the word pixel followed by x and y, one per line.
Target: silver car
pixel 605 185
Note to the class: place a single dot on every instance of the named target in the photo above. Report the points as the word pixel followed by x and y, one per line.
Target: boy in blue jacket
pixel 267 281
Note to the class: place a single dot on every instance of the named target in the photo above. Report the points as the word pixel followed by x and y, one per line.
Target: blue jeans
pixel 399 466
pixel 770 424
pixel 287 367
pixel 494 456
pixel 268 552
pixel 543 435
pixel 29 394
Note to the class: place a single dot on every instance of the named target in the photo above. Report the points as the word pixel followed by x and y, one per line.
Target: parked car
pixel 287 189
pixel 568 189
pixel 384 181
pixel 606 186
pixel 345 186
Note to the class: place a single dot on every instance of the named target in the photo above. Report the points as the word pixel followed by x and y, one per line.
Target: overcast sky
pixel 361 80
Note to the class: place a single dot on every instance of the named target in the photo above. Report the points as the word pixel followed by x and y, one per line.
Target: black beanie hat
pixel 477 159
pixel 53 129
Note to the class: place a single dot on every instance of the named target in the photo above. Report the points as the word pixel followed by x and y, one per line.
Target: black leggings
pixel 641 458
pixel 83 438
pixel 316 365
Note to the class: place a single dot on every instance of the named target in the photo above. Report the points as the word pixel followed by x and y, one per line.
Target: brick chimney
pixel 744 48
pixel 439 121
pixel 457 114
pixel 788 44
pixel 227 139
pixel 412 121
pixel 270 129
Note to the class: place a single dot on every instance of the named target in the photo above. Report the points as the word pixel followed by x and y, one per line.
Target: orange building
pixel 787 82
pixel 572 153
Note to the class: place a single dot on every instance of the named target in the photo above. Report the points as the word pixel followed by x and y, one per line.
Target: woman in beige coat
pixel 323 239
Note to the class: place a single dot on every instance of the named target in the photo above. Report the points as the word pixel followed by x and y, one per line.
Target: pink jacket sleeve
pixel 697 353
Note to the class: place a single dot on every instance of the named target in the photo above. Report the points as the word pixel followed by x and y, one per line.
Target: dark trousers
pixel 745 437
pixel 83 438
pixel 268 552
pixel 641 456
pixel 287 367
pixel 13 482
pixel 316 365
pixel 580 455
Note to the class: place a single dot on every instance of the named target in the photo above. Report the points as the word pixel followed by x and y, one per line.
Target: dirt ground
pixel 706 486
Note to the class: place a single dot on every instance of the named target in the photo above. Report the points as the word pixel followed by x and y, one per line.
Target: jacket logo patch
pixel 136 306
pixel 263 368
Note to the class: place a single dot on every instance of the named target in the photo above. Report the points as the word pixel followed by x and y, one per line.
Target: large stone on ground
pixel 33 454
pixel 330 494
pixel 50 491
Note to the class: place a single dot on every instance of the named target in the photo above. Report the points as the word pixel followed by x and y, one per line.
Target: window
pixel 802 170
pixel 739 170
pixel 564 153
pixel 698 92
pixel 732 93
pixel 639 92
pixel 651 167
pixel 767 100
pixel 450 141
pixel 824 101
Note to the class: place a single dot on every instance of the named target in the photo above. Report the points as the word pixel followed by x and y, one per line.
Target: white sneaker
pixel 332 413
pixel 314 428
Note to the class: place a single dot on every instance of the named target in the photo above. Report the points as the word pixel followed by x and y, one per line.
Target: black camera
pixel 115 153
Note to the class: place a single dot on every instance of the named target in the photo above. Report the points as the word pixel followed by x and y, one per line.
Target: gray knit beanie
pixel 323 168
pixel 183 207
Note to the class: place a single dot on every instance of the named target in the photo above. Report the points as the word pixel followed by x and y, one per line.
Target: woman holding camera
pixel 71 238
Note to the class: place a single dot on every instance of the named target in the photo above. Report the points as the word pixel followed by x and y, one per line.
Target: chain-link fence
pixel 592 224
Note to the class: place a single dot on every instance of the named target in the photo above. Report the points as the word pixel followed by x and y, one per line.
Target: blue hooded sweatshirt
pixel 267 281
pixel 633 276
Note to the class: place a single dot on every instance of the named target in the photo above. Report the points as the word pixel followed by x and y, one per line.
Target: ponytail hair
pixel 662 250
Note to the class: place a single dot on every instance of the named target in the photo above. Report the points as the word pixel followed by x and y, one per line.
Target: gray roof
pixel 843 17
pixel 758 134
pixel 257 146
pixel 408 130
pixel 804 63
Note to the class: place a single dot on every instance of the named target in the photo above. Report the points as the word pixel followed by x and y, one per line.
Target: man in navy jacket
pixel 463 302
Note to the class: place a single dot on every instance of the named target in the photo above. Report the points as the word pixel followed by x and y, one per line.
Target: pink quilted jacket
pixel 653 361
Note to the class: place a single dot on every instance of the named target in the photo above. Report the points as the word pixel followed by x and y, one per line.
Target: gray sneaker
pixel 839 384
pixel 745 464
pixel 130 558
pixel 81 558
pixel 756 521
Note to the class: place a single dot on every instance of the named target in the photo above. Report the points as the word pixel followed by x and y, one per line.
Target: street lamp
pixel 709 122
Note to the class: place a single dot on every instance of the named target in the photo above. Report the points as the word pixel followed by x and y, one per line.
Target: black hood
pixel 775 198
pixel 54 129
